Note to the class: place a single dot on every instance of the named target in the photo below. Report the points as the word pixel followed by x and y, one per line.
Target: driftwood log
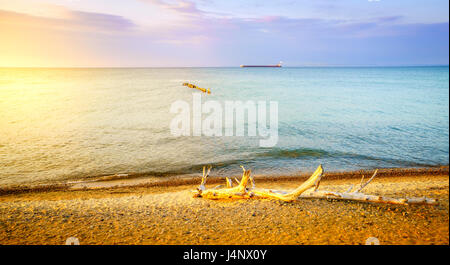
pixel 242 191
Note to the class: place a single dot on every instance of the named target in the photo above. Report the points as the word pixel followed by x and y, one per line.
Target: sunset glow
pixel 66 33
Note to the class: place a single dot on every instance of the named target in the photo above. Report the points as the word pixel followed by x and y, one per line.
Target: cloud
pixel 72 21
pixel 102 21
pixel 204 38
pixel 389 19
pixel 182 7
pixel 199 24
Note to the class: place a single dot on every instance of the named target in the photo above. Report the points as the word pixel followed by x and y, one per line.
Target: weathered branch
pixel 356 196
pixel 205 176
pixel 242 192
pixel 229 182
pixel 237 181
pixel 232 192
pixel 311 182
pixel 367 183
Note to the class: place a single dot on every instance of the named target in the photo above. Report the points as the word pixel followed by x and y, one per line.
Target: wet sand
pixel 168 214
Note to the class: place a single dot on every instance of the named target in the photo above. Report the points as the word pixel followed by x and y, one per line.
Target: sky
pixel 184 33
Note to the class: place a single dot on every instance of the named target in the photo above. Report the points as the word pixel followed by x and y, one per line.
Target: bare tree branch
pixel 242 192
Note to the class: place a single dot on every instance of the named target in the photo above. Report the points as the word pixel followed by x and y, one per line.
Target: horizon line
pixel 291 66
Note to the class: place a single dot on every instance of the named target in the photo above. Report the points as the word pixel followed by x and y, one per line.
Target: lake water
pixel 71 124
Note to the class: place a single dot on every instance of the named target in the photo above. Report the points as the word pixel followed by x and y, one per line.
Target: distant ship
pixel 276 65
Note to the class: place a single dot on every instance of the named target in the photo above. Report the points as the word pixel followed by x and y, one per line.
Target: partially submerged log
pixel 204 90
pixel 241 191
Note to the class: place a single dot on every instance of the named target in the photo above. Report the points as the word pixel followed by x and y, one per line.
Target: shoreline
pixel 165 213
pixel 146 180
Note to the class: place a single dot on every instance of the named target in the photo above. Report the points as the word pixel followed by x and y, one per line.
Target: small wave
pixel 311 153
pixel 260 160
pixel 294 153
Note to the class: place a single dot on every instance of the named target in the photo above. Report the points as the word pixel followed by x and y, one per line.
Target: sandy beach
pixel 143 212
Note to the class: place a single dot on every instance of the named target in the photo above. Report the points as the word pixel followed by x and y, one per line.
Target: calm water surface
pixel 71 124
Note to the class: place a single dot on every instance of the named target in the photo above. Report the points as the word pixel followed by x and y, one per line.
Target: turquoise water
pixel 69 124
